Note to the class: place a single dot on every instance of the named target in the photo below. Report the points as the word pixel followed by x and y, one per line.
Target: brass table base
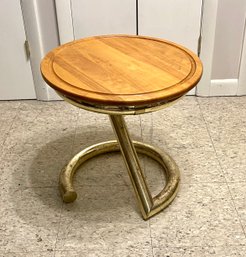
pixel 149 205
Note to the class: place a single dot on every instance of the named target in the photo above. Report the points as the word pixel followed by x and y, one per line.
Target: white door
pixel 176 20
pixel 16 80
pixel 97 17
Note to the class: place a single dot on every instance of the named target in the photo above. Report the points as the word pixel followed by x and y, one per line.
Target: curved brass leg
pixel 66 176
pixel 149 206
pixel 157 203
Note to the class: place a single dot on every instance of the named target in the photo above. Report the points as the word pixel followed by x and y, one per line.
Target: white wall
pixel 228 39
pixel 176 20
pixel 97 17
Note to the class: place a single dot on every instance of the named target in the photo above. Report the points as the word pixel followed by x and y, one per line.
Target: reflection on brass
pixel 118 110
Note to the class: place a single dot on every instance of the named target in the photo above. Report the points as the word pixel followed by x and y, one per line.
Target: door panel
pixel 97 17
pixel 16 77
pixel 176 20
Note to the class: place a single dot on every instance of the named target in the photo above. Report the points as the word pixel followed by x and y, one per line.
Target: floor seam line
pixel 151 239
pixel 12 123
pixel 71 154
pixel 58 230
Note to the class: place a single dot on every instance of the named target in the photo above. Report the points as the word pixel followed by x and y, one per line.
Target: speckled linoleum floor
pixel 206 137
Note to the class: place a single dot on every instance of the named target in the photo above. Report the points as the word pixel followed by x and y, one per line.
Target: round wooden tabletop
pixel 121 70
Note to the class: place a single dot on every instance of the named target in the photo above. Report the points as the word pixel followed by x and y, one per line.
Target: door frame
pixel 37 15
pixel 64 20
pixel 241 90
pixel 208 28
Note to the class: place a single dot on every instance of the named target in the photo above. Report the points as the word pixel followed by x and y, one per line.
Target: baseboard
pixel 52 95
pixel 223 87
pixel 192 91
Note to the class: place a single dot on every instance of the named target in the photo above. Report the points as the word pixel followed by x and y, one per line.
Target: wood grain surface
pixel 121 70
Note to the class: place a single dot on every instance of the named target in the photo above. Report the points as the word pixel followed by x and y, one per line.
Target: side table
pixel 123 75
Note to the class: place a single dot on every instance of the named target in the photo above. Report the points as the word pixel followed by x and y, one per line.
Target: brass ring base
pixel 154 204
